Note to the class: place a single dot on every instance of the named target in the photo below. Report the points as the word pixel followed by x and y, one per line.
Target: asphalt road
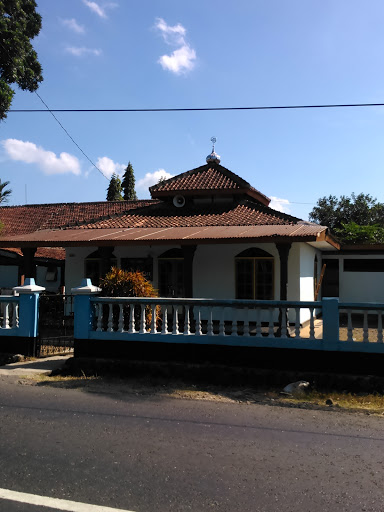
pixel 155 454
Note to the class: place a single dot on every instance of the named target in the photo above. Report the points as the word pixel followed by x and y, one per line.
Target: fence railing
pixel 331 326
pixel 361 322
pixel 202 317
pixel 9 314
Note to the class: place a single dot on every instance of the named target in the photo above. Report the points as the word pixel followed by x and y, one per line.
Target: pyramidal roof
pixel 211 178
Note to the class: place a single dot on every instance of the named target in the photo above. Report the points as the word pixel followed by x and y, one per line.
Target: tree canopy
pixel 114 189
pixel 4 194
pixel 128 184
pixel 19 24
pixel 355 219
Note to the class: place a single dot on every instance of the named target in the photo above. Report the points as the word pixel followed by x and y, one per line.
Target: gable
pixel 208 179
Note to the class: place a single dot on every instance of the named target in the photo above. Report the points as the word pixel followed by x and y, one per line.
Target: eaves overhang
pixel 169 235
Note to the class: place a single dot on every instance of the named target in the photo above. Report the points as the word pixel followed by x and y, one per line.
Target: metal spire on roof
pixel 213 157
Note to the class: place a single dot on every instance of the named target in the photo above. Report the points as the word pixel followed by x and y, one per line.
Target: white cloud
pixel 151 178
pixel 73 25
pixel 107 166
pixel 97 9
pixel 171 35
pixel 281 205
pixel 183 58
pixel 47 161
pixel 82 50
pixel 180 60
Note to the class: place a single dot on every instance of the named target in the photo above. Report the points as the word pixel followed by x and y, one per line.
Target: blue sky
pixel 163 54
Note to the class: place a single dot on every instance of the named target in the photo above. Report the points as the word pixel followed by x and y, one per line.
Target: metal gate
pixel 55 325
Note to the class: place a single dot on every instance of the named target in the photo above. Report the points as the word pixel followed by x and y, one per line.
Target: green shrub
pixel 123 283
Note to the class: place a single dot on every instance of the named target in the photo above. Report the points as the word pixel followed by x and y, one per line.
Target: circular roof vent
pixel 179 201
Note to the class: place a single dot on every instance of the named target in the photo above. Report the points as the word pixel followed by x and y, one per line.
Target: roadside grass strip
pixel 55 503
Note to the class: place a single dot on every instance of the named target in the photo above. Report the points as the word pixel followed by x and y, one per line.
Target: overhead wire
pixel 69 135
pixel 202 109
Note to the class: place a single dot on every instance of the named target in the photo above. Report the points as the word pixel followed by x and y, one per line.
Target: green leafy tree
pixel 354 220
pixel 114 189
pixel 128 184
pixel 4 194
pixel 19 24
pixel 361 209
pixel 352 233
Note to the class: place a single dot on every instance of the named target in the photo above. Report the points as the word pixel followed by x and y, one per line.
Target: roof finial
pixel 213 157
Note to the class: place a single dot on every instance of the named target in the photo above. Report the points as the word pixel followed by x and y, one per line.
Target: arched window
pixel 93 268
pixel 171 273
pixel 254 274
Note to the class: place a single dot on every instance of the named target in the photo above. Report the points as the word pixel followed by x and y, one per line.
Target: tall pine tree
pixel 128 184
pixel 114 189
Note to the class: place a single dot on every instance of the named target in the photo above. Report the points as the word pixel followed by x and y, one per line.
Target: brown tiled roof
pixel 53 253
pixel 209 178
pixel 245 213
pixel 28 218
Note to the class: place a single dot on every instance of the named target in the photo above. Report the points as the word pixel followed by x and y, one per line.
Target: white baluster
pixel 246 322
pixel 221 322
pixel 164 329
pixel 297 322
pixel 120 327
pixel 311 325
pixel 234 322
pixel 131 328
pixel 16 315
pixel 210 322
pixel 198 321
pixel 175 329
pixel 142 319
pixel 271 331
pixel 283 322
pixel 153 322
pixel 99 317
pixel 379 327
pixel 365 328
pixel 110 318
pixel 258 323
pixel 186 321
pixel 6 316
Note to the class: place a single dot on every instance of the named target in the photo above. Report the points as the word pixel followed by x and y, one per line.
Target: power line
pixel 68 134
pixel 201 109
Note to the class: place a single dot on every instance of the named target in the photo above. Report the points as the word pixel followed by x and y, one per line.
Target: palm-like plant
pixel 4 194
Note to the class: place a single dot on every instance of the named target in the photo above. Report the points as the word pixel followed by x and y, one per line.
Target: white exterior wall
pixel 213 267
pixel 307 264
pixel 50 286
pixel 75 266
pixel 359 286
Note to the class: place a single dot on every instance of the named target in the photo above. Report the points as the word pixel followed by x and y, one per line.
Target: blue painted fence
pixel 241 323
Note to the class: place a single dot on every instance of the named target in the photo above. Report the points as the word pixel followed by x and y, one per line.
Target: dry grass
pixel 373 403
pixel 146 387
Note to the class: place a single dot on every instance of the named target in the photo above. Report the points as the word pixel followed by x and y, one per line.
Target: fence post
pixel 330 306
pixel 82 309
pixel 29 313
